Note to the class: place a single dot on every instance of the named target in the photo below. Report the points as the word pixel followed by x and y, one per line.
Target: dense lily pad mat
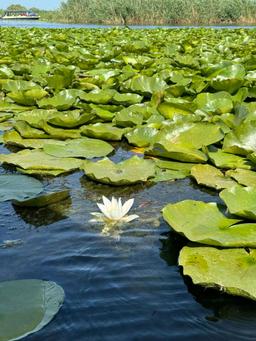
pixel 27 306
pixel 231 270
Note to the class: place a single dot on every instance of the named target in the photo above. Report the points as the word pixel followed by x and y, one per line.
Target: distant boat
pixel 20 15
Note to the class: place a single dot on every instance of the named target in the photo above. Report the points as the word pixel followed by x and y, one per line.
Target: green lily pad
pixel 176 107
pixel 43 200
pixel 144 85
pixel 242 140
pixel 103 131
pixel 83 147
pixel 226 160
pixel 230 78
pixel 70 119
pixel 126 99
pixel 231 270
pixel 38 160
pixel 142 136
pixel 210 176
pixel 18 187
pixel 28 132
pixel 28 97
pixel 127 172
pixel 177 152
pixel 128 119
pixel 27 306
pixel 243 176
pixel 173 165
pixel 193 135
pixel 62 101
pixel 12 137
pixel 218 103
pixel 168 175
pixel 205 223
pixel 98 96
pixel 240 201
pixel 59 133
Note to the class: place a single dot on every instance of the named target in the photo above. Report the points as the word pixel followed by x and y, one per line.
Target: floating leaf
pixel 240 201
pixel 127 172
pixel 243 176
pixel 103 131
pixel 43 200
pixel 231 270
pixel 211 177
pixel 38 160
pixel 142 136
pixel 18 187
pixel 27 306
pixel 205 223
pixel 84 147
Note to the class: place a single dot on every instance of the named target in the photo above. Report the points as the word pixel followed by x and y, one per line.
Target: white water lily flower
pixel 113 211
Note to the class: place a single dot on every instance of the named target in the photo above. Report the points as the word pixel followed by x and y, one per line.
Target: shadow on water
pixel 44 216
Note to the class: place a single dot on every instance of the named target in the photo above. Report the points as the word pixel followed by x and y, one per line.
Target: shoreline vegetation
pixel 151 12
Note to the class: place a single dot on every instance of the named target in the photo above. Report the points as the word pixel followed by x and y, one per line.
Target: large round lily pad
pixel 126 172
pixel 205 223
pixel 18 187
pixel 231 270
pixel 27 306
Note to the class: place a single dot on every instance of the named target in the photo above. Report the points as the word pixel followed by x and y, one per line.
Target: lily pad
pixel 177 152
pixel 232 270
pixel 12 137
pixel 226 160
pixel 127 172
pixel 243 176
pixel 83 147
pixel 142 136
pixel 210 176
pixel 27 306
pixel 218 103
pixel 43 200
pixel 240 201
pixel 38 160
pixel 103 131
pixel 18 187
pixel 168 175
pixel 206 224
pixel 173 165
pixel 62 101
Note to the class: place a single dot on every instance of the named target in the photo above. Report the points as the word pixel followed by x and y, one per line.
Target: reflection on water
pixel 44 216
pixel 42 24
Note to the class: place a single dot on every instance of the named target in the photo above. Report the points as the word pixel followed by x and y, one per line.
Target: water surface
pixel 122 284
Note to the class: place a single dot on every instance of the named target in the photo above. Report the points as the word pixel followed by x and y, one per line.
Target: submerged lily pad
pixel 18 187
pixel 232 271
pixel 83 147
pixel 205 223
pixel 210 176
pixel 240 201
pixel 127 172
pixel 27 306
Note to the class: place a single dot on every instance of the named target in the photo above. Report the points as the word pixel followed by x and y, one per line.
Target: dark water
pixel 42 24
pixel 122 284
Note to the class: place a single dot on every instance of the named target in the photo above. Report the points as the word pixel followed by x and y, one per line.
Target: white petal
pixel 129 218
pixel 127 206
pixel 104 210
pixel 106 201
